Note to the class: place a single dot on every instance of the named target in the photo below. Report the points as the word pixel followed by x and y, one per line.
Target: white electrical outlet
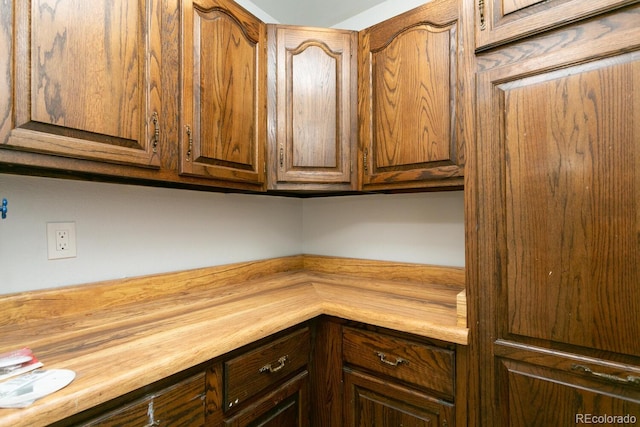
pixel 61 240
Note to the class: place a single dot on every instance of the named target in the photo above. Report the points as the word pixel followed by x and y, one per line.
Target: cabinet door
pixel 224 93
pixel 501 21
pixel 87 80
pixel 559 179
pixel 415 98
pixel 569 178
pixel 312 108
pixel 541 396
pixel 369 401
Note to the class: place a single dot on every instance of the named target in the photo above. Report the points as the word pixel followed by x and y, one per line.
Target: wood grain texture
pixel 180 404
pixel 224 90
pixel 572 220
pixel 426 367
pixel 312 108
pixel 287 405
pixel 509 20
pixel 326 372
pixel 552 264
pixel 373 401
pixel 88 91
pixel 414 101
pixel 190 318
pixel 6 70
pixel 250 373
pixel 410 272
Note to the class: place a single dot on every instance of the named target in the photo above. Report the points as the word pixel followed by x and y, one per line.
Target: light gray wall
pixel 125 231
pixel 378 14
pixel 426 228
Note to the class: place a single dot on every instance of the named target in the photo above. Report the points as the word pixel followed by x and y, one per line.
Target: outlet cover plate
pixel 56 248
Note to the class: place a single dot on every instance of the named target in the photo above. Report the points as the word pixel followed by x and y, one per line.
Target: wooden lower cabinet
pixel 539 395
pixel 325 372
pixel 370 401
pixel 285 406
pixel 263 384
pixel 393 379
pixel 181 404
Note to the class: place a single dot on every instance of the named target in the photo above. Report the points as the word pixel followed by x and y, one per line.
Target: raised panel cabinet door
pixel 370 401
pixel 224 93
pixel 87 80
pixel 312 107
pixel 571 149
pixel 558 206
pixel 502 21
pixel 414 80
pixel 540 396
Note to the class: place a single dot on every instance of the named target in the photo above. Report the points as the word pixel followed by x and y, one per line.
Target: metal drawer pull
pixel 156 133
pixel 383 359
pixel 270 369
pixel 190 139
pixel 611 378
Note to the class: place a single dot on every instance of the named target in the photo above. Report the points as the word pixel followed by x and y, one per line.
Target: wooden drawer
pixel 252 372
pixel 179 405
pixel 419 364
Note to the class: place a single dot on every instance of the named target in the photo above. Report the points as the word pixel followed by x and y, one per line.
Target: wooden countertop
pixel 122 335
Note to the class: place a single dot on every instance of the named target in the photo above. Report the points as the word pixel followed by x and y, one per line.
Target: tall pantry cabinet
pixel 557 196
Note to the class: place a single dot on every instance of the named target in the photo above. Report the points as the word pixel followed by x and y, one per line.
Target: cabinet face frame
pixel 214 143
pixel 309 150
pixel 604 42
pixel 502 21
pixel 48 116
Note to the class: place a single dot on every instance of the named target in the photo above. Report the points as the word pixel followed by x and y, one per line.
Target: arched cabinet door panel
pixel 312 108
pixel 415 101
pixel 224 93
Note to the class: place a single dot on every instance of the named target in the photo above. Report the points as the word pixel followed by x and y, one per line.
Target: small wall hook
pixel 3 209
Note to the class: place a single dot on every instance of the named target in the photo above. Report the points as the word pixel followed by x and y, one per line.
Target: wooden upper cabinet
pixel 312 108
pixel 86 80
pixel 501 21
pixel 224 72
pixel 415 99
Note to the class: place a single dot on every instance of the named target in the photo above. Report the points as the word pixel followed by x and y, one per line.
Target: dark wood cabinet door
pixel 502 21
pixel 415 97
pixel 312 108
pixel 558 208
pixel 542 396
pixel 86 80
pixel 224 93
pixel 372 402
pixel 569 179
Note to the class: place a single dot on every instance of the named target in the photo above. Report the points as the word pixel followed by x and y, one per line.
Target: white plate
pixel 8 361
pixel 23 390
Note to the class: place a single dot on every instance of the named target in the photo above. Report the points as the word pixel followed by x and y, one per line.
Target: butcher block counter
pixel 122 335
